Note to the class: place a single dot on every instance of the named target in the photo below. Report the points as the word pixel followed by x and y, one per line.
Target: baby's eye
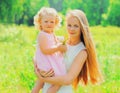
pixel 69 25
pixel 52 21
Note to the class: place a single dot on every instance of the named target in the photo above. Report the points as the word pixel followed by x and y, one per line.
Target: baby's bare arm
pixel 44 46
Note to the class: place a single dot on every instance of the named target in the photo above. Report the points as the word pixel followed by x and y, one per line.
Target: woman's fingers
pixel 50 73
pixel 37 73
pixel 42 73
pixel 46 74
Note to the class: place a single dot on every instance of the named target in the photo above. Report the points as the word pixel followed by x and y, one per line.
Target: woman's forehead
pixel 73 19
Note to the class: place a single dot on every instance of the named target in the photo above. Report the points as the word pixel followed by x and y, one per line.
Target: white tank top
pixel 72 51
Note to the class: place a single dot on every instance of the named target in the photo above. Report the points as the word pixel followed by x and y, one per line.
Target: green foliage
pixel 9 10
pixel 94 10
pixel 73 4
pixel 32 8
pixel 17 47
pixel 20 11
pixel 57 4
pixel 105 12
pixel 114 13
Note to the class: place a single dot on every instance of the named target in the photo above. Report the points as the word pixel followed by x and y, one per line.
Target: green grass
pixel 17 47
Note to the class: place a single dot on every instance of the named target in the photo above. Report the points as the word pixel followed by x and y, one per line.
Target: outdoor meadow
pixel 18 39
pixel 17 47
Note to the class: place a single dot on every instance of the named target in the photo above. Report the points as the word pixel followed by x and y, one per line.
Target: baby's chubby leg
pixel 38 85
pixel 53 89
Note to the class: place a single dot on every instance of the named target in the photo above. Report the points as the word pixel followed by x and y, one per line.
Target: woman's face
pixel 73 27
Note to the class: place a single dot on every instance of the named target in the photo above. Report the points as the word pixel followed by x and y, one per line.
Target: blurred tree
pixel 30 8
pixel 73 4
pixel 20 11
pixel 57 4
pixel 113 15
pixel 97 11
pixel 20 17
pixel 9 10
pixel 33 8
pixel 94 10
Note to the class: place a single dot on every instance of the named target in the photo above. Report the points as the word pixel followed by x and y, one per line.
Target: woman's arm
pixel 72 73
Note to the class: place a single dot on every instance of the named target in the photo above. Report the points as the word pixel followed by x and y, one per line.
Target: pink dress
pixel 53 61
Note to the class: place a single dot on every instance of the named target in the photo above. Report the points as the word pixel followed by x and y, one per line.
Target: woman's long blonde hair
pixel 90 70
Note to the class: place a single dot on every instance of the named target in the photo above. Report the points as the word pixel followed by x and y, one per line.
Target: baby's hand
pixel 62 48
pixel 60 39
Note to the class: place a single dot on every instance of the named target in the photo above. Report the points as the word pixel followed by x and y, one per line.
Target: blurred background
pixel 103 12
pixel 18 39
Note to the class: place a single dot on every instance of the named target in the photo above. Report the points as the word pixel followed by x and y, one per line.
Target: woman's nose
pixel 72 28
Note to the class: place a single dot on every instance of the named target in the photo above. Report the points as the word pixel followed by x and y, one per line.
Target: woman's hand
pixel 49 73
pixel 42 74
pixel 38 74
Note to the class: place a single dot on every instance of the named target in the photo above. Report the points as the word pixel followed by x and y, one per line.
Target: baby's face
pixel 48 23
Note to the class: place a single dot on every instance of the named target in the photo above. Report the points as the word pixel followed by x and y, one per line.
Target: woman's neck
pixel 74 41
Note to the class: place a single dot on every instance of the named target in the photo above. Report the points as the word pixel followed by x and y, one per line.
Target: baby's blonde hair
pixel 46 11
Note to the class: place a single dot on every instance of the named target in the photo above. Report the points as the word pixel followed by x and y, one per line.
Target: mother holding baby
pixel 80 58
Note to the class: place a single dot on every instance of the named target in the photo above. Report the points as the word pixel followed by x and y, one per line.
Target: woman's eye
pixel 76 26
pixel 46 21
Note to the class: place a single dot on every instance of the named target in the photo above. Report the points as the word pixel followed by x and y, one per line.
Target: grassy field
pixel 17 46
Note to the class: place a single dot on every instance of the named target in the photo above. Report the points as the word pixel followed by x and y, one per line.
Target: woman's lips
pixel 71 33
